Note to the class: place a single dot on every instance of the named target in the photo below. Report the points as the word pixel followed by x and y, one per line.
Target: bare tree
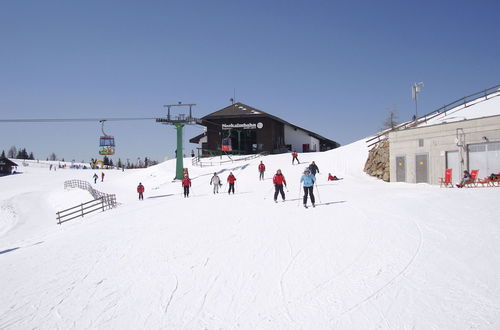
pixel 392 118
pixel 12 152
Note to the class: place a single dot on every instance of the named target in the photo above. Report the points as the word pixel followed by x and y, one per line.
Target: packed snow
pixel 369 255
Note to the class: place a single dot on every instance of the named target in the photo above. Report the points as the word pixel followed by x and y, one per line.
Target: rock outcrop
pixel 377 164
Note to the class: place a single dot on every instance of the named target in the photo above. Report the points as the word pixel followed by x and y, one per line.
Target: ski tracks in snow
pixel 388 283
pixel 282 281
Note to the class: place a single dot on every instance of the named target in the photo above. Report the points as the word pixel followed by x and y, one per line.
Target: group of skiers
pixel 95 176
pixel 308 181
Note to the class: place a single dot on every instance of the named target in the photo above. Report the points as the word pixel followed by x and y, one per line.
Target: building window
pixel 420 142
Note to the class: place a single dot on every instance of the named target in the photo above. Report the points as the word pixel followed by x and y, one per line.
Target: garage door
pixel 484 157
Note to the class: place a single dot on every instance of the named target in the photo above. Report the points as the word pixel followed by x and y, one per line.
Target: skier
pixel 262 169
pixel 216 182
pixel 313 168
pixel 95 177
pixel 231 179
pixel 294 157
pixel 332 177
pixel 102 176
pixel 279 181
pixel 186 183
pixel 308 182
pixel 140 190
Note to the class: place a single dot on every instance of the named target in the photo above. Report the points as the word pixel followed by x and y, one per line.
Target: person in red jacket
pixel 231 179
pixel 279 181
pixel 294 157
pixel 186 183
pixel 262 169
pixel 332 177
pixel 140 190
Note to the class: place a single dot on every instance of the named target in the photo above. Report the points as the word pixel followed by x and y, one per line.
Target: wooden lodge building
pixel 6 166
pixel 243 129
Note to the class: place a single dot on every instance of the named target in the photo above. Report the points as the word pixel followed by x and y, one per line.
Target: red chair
pixel 447 179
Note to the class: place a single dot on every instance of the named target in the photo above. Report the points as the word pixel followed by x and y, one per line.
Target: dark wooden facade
pixel 246 125
pixel 6 166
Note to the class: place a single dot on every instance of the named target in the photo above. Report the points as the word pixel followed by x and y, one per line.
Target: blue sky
pixel 332 67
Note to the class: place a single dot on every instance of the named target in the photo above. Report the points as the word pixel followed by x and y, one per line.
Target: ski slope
pixel 370 255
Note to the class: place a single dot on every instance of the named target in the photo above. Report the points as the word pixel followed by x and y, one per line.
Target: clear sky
pixel 333 67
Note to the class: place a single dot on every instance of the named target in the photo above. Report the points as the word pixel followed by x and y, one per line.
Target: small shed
pixel 6 166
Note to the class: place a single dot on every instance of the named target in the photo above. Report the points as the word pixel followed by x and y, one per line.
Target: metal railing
pixel 201 162
pixel 461 103
pixel 101 201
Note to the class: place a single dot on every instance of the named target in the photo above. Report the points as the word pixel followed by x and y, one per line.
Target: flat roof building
pixel 243 129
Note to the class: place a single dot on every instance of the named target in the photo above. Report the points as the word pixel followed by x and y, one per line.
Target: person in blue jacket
pixel 308 180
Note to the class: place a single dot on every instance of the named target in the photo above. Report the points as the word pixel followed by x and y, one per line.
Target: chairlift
pixel 106 142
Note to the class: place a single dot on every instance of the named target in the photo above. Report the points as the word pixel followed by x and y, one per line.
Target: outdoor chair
pixel 472 182
pixel 446 181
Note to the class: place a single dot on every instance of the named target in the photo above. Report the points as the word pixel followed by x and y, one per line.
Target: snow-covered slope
pixel 370 255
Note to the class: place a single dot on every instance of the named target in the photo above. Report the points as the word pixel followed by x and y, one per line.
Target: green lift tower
pixel 179 121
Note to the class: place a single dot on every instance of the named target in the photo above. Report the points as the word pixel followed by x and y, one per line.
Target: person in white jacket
pixel 215 181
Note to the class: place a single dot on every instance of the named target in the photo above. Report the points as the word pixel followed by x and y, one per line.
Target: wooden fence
pixel 101 202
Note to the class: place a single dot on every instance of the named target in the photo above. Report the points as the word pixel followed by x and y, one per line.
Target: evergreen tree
pixel 111 162
pixel 3 154
pixel 105 160
pixel 31 156
pixel 119 165
pixel 52 156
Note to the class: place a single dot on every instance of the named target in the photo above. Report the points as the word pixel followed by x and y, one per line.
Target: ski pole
pixel 298 199
pixel 317 191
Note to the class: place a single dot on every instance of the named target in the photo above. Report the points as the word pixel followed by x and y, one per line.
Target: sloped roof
pixel 239 109
pixel 6 161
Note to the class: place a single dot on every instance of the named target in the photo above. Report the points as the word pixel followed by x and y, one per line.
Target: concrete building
pixel 422 154
pixel 243 129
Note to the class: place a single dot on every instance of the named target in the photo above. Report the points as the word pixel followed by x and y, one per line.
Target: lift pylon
pixel 179 121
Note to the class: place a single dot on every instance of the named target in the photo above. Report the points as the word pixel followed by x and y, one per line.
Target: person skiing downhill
pixel 216 182
pixel 262 169
pixel 186 183
pixel 294 157
pixel 95 177
pixel 308 183
pixel 313 168
pixel 279 181
pixel 231 179
pixel 102 176
pixel 140 190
